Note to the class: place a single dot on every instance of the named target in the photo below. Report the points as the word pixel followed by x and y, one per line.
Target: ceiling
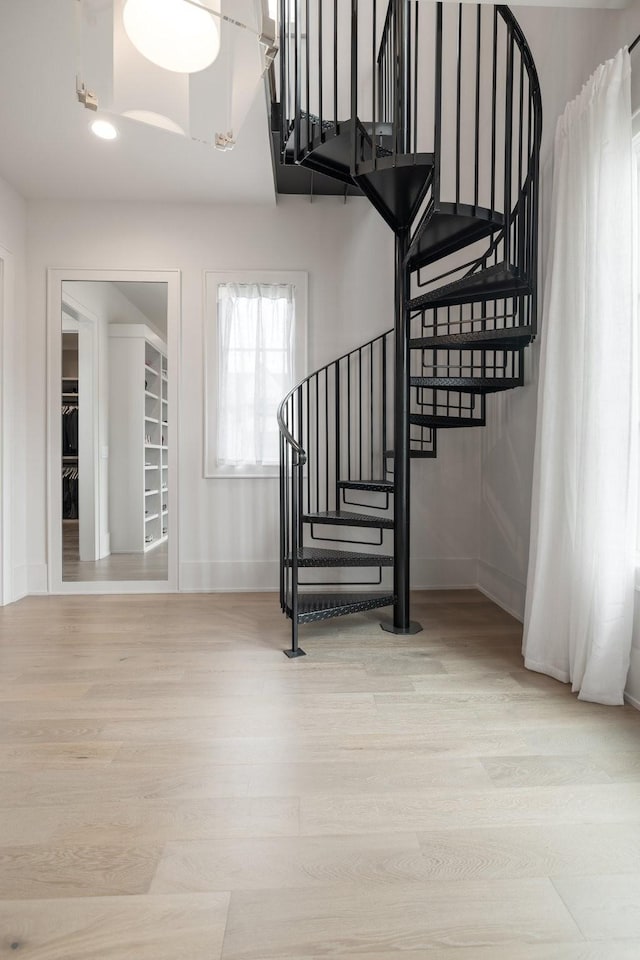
pixel 149 298
pixel 48 151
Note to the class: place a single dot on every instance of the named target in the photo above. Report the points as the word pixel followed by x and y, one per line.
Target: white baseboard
pixel 501 588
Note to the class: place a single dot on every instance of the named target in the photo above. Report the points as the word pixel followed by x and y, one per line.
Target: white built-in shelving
pixel 139 439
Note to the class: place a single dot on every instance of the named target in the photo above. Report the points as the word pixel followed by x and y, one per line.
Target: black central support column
pixel 401 447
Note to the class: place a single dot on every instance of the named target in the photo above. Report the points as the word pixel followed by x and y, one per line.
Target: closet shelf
pixel 149 493
pixel 152 516
pixel 152 396
pixel 152 420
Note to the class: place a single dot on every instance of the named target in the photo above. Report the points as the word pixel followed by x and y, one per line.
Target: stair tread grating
pixel 348 519
pixel 321 557
pixel 375 486
pixel 443 420
pixel 506 338
pixel 416 453
pixel 324 606
pixel 497 282
pixel 468 384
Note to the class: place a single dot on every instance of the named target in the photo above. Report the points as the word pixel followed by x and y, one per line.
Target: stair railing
pixel 336 425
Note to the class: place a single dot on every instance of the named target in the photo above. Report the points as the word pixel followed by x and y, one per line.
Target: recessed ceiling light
pixel 104 130
pixel 177 35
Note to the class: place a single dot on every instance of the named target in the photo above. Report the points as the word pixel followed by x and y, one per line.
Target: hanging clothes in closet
pixel 69 429
pixel 69 493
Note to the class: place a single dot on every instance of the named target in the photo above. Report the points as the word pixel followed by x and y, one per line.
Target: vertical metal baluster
pixel 315 376
pixel 349 415
pixel 282 517
pixel 299 477
pixel 415 85
pixel 508 148
pixel 384 403
pixel 308 78
pixel 338 432
pixel 476 173
pixel 458 102
pixel 493 110
pixel 371 474
pixel 354 86
pixel 307 447
pixel 373 85
pixel 408 87
pixel 284 98
pixel 335 64
pixel 437 136
pixel 326 432
pixel 360 411
pixel 320 72
pixel 296 136
pixel 520 257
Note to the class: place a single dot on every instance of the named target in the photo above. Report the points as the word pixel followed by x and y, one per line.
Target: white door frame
pixel 6 303
pixel 76 318
pixel 55 279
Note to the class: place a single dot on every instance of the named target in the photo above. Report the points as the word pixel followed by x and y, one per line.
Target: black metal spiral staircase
pixel 442 135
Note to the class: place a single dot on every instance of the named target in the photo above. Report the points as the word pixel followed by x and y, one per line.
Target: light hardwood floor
pixel 173 788
pixel 153 565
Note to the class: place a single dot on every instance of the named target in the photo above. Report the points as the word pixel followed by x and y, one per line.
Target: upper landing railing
pixel 413 77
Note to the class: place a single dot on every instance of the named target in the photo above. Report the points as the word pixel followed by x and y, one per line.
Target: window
pixel 255 338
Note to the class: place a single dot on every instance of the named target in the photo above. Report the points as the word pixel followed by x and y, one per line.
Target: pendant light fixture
pixel 177 35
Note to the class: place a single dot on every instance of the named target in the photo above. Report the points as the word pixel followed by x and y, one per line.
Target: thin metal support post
pixel 295 650
pixel 401 476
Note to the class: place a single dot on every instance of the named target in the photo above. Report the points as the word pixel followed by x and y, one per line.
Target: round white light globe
pixel 174 35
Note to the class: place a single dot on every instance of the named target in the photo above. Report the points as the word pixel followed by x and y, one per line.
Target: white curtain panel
pixel 255 344
pixel 580 590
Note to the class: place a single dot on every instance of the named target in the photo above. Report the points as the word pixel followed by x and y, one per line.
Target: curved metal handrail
pixel 285 433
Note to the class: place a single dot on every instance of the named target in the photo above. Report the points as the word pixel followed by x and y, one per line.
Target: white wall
pixel 567 46
pixel 13 574
pixel 228 528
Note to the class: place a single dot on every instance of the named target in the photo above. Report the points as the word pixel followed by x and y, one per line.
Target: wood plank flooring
pixel 153 565
pixel 173 788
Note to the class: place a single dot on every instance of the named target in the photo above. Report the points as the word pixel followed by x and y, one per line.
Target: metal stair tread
pixel 452 227
pixel 348 519
pixel 468 384
pixel 503 339
pixel 375 486
pixel 444 420
pixel 321 557
pixel 497 282
pixel 414 453
pixel 324 606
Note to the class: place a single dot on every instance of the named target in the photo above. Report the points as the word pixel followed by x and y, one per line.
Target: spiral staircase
pixel 433 112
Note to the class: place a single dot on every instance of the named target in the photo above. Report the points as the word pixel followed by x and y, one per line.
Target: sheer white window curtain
pixel 580 591
pixel 255 357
